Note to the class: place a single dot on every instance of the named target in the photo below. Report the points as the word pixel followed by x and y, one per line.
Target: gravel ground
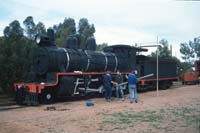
pixel 174 110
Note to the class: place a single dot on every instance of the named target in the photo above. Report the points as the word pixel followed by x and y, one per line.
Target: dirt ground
pixel 175 110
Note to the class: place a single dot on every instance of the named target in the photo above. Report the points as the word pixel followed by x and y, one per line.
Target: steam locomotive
pixel 69 71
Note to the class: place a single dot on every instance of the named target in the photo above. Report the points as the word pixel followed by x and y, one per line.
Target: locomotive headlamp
pixel 38 39
pixel 42 40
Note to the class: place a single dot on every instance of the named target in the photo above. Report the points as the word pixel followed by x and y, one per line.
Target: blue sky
pixel 116 21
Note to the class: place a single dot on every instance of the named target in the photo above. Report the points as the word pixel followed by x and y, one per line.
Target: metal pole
pixel 157 66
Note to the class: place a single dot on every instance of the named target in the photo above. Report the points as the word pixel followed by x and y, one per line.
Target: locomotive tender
pixel 70 71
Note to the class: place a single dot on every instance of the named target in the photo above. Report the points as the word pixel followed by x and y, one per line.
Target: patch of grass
pixel 166 119
pixel 145 131
pixel 141 131
pixel 109 121
pixel 149 116
pixel 124 120
pixel 189 116
pixel 150 112
pixel 185 114
pixel 153 117
pixel 174 120
pixel 51 130
pixel 162 111
pixel 198 123
pixel 159 127
pixel 135 117
pixel 119 128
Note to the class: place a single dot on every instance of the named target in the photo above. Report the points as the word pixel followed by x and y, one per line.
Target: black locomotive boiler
pixel 70 71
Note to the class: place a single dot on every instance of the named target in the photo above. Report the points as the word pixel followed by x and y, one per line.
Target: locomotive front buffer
pixel 28 93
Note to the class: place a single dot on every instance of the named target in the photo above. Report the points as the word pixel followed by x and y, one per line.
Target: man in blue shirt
pixel 107 80
pixel 132 81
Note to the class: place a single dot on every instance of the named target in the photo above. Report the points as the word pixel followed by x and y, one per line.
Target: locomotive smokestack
pixel 50 34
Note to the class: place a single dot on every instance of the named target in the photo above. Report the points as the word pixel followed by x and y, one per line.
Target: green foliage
pixel 190 50
pixel 40 28
pixel 14 30
pixel 187 52
pixel 14 56
pixel 68 28
pixel 15 62
pixel 101 46
pixel 197 46
pixel 164 51
pixel 85 30
pixel 63 30
pixel 30 27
